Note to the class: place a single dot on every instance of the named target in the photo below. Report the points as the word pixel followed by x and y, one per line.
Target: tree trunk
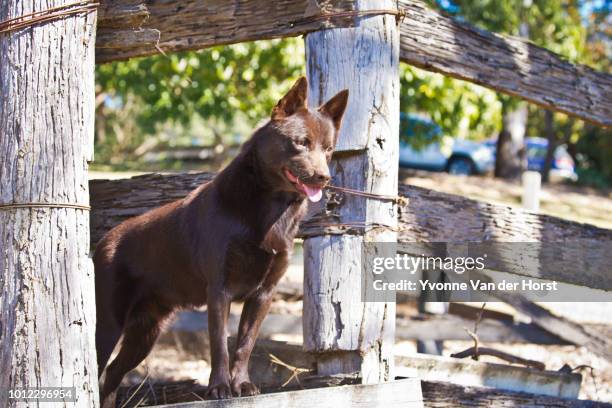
pixel 47 311
pixel 349 334
pixel 510 159
pixel 549 125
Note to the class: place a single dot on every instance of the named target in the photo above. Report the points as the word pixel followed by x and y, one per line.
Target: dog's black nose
pixel 322 178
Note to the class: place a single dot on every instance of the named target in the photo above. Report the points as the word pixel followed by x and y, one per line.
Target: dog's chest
pixel 249 262
pixel 279 238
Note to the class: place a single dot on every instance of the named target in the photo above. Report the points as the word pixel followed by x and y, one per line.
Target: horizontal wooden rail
pixel 444 395
pixel 429 40
pixel 136 28
pixel 405 393
pixel 428 216
pixel 507 64
pixel 423 327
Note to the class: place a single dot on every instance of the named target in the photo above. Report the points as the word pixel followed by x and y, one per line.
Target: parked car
pixel 439 152
pixel 563 166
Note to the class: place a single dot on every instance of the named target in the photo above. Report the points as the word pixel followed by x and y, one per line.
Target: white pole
pixel 532 183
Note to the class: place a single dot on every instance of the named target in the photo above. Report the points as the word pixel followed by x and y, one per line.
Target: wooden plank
pixel 444 395
pixel 427 213
pixel 404 393
pixel 429 40
pixel 270 374
pixel 114 201
pixel 577 334
pixel 424 218
pixel 47 310
pixel 555 261
pixel 423 327
pixel 349 334
pixel 499 376
pixel 435 394
pixel 438 43
pixel 448 327
pixel 193 24
pixel 598 342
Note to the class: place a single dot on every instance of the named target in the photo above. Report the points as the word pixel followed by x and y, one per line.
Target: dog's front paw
pixel 219 391
pixel 244 388
pixel 109 401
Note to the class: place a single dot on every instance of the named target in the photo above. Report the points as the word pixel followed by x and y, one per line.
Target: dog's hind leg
pixel 141 330
pixel 107 336
pixel 112 305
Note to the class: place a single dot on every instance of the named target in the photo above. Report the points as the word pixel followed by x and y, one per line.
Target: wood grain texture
pixel 355 335
pixel 47 311
pixel 500 375
pixel 426 219
pixel 444 395
pixel 400 394
pixel 449 327
pixel 193 24
pixel 429 40
pixel 599 342
pixel 427 215
pixel 508 64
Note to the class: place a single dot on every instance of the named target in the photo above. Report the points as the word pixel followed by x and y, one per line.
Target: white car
pixel 443 153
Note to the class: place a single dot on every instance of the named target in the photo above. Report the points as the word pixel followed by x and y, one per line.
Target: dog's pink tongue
pixel 314 193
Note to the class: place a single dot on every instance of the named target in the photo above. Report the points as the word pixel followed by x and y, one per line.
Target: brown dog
pixel 229 239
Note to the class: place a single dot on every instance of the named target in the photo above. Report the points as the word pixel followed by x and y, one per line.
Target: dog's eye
pixel 329 149
pixel 304 142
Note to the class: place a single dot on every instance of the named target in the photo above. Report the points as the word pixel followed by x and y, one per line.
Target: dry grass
pixel 580 204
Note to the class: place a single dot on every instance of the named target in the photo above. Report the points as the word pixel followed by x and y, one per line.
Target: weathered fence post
pixel 47 315
pixel 355 336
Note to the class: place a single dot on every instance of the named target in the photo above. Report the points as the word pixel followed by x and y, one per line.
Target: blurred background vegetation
pixel 153 113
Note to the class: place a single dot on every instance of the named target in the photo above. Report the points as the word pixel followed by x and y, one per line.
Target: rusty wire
pixel 54 13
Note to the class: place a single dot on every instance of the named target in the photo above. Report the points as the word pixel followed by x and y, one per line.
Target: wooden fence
pixel 47 138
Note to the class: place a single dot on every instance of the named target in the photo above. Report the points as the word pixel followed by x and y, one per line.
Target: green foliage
pixel 219 85
pixel 232 87
pixel 216 94
pixel 598 48
pixel 594 153
pixel 216 82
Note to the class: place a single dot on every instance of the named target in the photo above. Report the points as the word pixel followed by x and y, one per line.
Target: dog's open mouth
pixel 313 192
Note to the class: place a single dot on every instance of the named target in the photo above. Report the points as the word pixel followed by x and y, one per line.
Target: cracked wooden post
pixel 350 335
pixel 47 311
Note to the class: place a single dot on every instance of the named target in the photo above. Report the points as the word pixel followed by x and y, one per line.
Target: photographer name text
pixel 476 284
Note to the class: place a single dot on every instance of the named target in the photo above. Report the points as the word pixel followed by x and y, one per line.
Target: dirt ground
pixel 168 363
pixel 172 362
pixel 575 203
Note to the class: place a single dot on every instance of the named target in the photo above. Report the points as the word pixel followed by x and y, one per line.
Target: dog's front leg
pixel 218 310
pixel 253 313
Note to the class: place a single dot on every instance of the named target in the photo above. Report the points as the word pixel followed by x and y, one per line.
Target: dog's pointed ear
pixel 335 107
pixel 294 100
